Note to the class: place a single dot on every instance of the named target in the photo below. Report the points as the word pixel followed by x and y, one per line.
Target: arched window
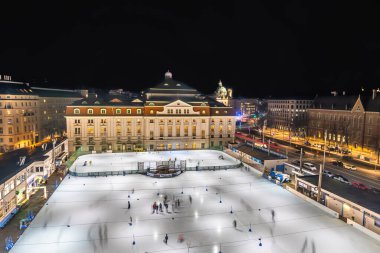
pixel 118 111
pixel 103 111
pixel 151 103
pixel 90 111
pixel 203 112
pixel 151 112
pixel 76 111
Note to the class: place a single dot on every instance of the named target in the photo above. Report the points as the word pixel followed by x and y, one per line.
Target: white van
pixel 309 166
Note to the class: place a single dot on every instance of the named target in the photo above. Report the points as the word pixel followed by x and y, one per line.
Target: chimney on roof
pixel 373 94
pixel 344 93
pixel 334 93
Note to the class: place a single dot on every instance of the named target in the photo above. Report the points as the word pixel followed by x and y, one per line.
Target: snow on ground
pixel 128 161
pixel 88 214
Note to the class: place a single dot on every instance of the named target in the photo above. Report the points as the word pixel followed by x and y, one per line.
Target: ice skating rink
pixel 90 215
pixel 128 161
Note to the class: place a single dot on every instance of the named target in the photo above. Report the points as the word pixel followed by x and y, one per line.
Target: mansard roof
pixel 334 102
pixel 171 86
pixel 109 100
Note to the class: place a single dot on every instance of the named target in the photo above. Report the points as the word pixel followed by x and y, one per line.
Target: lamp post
pixel 324 152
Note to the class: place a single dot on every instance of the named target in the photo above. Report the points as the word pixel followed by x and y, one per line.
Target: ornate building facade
pixel 347 120
pixel 29 114
pixel 169 116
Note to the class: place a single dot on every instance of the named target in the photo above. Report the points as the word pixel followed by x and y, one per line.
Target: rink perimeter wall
pixel 314 203
pixel 144 171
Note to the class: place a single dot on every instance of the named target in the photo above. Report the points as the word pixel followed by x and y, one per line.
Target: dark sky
pixel 262 48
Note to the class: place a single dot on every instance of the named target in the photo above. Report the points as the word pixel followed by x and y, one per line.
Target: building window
pixel 217 112
pixel 151 121
pixel 76 111
pixel 77 121
pixel 151 111
pixel 128 111
pixel 90 111
pixel 138 111
pixel 103 111
pixel 90 121
pixel 118 111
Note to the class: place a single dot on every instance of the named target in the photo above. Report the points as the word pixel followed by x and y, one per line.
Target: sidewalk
pixel 35 203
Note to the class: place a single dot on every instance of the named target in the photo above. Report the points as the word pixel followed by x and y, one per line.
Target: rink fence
pixel 126 172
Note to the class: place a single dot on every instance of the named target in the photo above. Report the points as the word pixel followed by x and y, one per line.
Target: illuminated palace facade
pixel 169 116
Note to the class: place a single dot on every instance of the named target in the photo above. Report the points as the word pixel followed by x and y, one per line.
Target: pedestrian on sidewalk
pixel 129 205
pixel 166 239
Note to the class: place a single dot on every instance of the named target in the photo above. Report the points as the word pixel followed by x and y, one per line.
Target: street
pixel 365 173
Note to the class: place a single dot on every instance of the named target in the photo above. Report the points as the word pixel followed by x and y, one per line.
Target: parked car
pixel 309 166
pixel 359 185
pixel 296 162
pixel 317 145
pixel 332 148
pixel 338 163
pixel 349 167
pixel 347 157
pixel 298 151
pixel 328 173
pixel 346 151
pixel 307 143
pixel 341 179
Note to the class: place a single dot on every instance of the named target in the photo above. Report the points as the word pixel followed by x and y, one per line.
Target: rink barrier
pixel 313 202
pixel 225 167
pixel 364 229
pixel 126 172
pixel 103 173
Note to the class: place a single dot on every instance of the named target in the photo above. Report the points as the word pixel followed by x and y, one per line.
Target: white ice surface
pixel 96 210
pixel 128 160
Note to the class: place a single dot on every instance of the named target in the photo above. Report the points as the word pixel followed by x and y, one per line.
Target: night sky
pixel 276 48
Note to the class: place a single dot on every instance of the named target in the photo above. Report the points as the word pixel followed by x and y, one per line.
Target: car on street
pixel 349 167
pixel 359 186
pixel 307 143
pixel 331 148
pixel 296 162
pixel 338 163
pixel 341 179
pixel 374 190
pixel 317 145
pixel 347 157
pixel 309 166
pixel 298 151
pixel 328 173
pixel 346 151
